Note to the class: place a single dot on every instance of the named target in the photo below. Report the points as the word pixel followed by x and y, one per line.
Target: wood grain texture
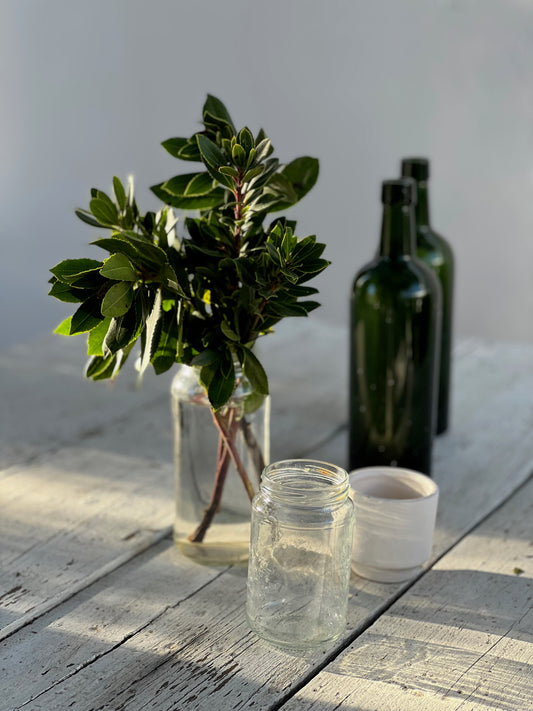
pixel 461 638
pixel 81 500
pixel 461 635
pixel 96 621
pixel 68 519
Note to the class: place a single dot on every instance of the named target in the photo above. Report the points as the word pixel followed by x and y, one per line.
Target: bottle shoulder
pixel 406 274
pixel 433 248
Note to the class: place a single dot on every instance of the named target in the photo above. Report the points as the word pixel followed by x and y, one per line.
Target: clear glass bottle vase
pixel 212 497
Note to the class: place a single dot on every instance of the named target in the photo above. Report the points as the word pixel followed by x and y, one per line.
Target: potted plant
pixel 199 289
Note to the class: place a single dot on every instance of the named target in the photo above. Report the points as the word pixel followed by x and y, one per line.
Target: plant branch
pixel 223 460
pixel 253 446
pixel 229 440
pixel 238 211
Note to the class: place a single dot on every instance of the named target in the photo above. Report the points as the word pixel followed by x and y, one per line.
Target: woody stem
pixel 223 460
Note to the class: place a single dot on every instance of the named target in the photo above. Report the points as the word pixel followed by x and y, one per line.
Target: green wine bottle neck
pixel 422 205
pixel 397 231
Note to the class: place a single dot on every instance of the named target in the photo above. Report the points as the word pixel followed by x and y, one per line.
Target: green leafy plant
pixel 201 288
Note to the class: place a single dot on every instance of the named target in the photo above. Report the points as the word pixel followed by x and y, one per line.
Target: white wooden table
pixel 98 610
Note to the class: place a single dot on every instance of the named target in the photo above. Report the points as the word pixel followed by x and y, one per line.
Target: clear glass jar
pixel 300 553
pixel 213 502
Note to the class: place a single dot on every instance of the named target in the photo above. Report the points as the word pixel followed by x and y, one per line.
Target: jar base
pixel 292 644
pixel 385 575
pixel 220 553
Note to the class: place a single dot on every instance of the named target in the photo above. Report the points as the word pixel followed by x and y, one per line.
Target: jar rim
pixel 305 482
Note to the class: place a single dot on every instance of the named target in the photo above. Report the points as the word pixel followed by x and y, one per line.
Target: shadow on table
pixel 458 634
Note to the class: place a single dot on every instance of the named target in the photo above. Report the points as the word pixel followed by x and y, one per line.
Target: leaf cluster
pixel 202 297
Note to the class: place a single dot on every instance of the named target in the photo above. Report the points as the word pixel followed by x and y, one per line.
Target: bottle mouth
pixel 417 168
pixel 305 482
pixel 399 192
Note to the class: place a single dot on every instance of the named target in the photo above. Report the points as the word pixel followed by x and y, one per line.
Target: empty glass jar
pixel 301 543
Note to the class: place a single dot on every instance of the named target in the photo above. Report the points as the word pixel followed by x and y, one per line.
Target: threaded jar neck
pixel 305 483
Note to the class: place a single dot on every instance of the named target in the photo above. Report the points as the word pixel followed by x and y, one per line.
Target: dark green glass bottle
pixel 435 251
pixel 395 331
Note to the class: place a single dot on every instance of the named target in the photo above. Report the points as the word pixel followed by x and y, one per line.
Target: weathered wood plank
pixel 461 638
pixel 46 403
pixel 70 518
pixel 96 621
pixel 200 655
pixel 62 522
pixel 193 654
pixel 259 669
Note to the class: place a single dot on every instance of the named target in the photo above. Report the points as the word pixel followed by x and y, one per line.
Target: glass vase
pixel 218 460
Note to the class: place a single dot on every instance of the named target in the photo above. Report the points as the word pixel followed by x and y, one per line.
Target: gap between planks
pixel 93 577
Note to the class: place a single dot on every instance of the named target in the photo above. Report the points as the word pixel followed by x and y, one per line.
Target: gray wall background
pixel 90 89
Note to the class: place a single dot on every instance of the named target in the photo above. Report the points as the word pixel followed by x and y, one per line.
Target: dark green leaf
pixel 284 309
pixel 118 299
pixel 282 188
pixel 99 368
pixel 205 358
pixel 213 107
pixel 263 149
pixel 66 292
pixel 252 173
pixel 70 269
pixel 118 245
pixel 165 354
pixel 255 372
pixel 86 317
pixel 253 402
pixel 221 386
pixel 207 373
pixel 174 145
pixel 309 305
pixel 246 139
pixel 147 251
pixel 190 151
pixel 91 280
pixel 229 332
pixel 302 174
pixel 120 193
pixel 238 154
pixel 183 148
pixel 315 266
pixel 189 185
pixel 105 212
pixel 119 268
pixel 171 280
pixel 203 202
pixel 211 153
pixel 122 331
pixel 201 184
pixel 229 170
pixel 87 217
pixel 297 291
